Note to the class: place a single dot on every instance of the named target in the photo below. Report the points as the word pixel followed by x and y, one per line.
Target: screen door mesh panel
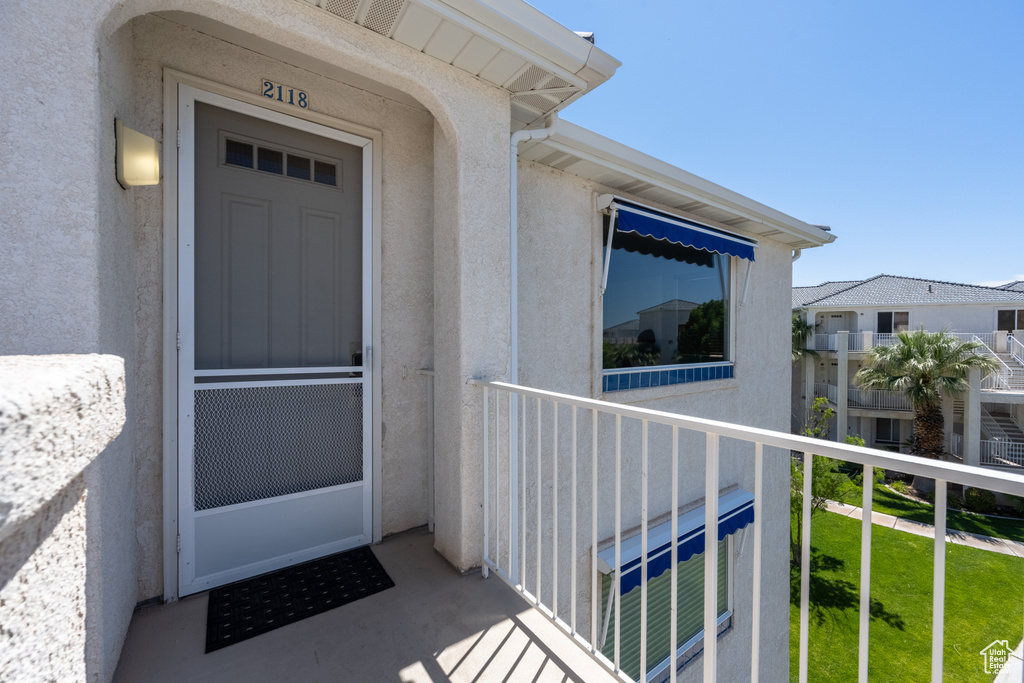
pixel 253 443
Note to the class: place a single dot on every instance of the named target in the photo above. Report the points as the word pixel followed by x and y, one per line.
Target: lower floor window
pixel 887 430
pixel 689 616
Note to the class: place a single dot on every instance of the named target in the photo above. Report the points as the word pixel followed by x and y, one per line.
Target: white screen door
pixel 274 312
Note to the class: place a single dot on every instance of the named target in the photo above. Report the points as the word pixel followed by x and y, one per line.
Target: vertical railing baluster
pixel 865 573
pixel 497 479
pixel 513 488
pixel 618 534
pixel 595 602
pixel 711 559
pixel 522 494
pixel 674 594
pixel 572 559
pixel 554 509
pixel 939 581
pixel 540 484
pixel 755 621
pixel 643 549
pixel 805 565
pixel 487 487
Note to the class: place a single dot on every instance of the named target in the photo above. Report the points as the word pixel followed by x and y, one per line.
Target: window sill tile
pixel 639 396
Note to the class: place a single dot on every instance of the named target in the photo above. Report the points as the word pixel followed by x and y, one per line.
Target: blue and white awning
pixel 735 511
pixel 647 222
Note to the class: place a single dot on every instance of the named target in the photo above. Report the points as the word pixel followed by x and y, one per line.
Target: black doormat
pixel 248 608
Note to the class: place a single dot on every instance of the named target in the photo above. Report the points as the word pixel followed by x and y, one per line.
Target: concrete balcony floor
pixel 434 625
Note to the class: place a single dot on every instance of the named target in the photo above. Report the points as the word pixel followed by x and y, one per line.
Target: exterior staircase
pixel 1011 431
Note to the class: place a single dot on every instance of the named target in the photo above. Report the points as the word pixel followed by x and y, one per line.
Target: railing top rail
pixel 909 464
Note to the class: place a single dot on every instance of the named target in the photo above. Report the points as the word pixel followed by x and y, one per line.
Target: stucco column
pixel 999 346
pixel 843 384
pixel 947 423
pixel 972 420
pixel 808 386
pixel 471 312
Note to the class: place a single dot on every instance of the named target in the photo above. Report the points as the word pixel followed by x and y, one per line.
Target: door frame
pixel 178 188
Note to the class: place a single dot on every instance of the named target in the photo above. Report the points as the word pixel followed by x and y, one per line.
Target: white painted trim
pixel 275 499
pixel 179 178
pixel 207 386
pixel 278 371
pixel 170 348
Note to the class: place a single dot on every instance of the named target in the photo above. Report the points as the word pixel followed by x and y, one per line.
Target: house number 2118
pixel 286 94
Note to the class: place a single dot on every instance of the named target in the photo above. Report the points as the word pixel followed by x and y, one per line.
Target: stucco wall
pixel 57 415
pixel 83 267
pixel 559 268
pixel 954 317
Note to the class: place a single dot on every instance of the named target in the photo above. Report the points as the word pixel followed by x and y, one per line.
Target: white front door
pixel 274 407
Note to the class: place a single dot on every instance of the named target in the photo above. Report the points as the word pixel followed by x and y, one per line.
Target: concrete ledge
pixel 57 414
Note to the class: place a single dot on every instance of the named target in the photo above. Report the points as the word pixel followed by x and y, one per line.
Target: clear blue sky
pixel 900 124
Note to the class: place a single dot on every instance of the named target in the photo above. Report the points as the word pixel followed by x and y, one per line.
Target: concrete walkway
pixel 996 545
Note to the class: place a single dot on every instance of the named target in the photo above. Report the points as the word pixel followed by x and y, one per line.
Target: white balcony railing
pixel 1003 378
pixel 986 338
pixel 829 391
pixel 830 342
pixel 824 342
pixel 1000 453
pixel 876 399
pixel 544 451
pixel 1015 349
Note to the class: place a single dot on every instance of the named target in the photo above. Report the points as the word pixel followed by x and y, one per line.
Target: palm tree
pixel 924 366
pixel 802 331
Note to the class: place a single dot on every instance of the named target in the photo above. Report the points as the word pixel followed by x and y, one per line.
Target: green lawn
pixel 892 503
pixel 984 602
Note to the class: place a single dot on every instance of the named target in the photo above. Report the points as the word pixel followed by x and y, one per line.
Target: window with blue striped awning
pixel 735 511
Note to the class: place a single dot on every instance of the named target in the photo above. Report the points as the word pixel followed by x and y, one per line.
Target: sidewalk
pixel 996 545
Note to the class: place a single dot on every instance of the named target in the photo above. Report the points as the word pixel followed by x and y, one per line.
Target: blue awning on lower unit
pixel 658 226
pixel 735 511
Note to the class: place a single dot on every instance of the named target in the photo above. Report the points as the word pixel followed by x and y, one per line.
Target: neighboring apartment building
pixel 850 317
pixel 332 215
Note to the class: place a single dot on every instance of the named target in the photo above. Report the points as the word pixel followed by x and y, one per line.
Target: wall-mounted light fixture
pixel 138 159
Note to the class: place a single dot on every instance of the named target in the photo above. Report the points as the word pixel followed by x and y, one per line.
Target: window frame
pixel 893 422
pixel 892 321
pixel 644 377
pixel 1018 314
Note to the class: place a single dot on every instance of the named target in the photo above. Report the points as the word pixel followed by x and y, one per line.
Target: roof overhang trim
pixel 597 158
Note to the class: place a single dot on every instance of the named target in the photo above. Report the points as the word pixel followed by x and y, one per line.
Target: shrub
pixel 979 500
pixel 899 486
pixel 953 502
pixel 1018 505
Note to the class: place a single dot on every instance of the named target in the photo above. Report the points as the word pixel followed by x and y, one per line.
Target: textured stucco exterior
pixel 83 271
pixel 961 317
pixel 560 266
pixel 57 415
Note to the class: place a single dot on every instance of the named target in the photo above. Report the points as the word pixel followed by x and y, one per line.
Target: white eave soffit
pixel 506 43
pixel 630 173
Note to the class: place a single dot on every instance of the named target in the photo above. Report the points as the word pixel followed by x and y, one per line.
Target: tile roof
pixel 804 295
pixel 897 290
pixel 1016 286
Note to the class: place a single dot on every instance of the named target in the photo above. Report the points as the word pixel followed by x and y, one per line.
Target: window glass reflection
pixel 665 304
